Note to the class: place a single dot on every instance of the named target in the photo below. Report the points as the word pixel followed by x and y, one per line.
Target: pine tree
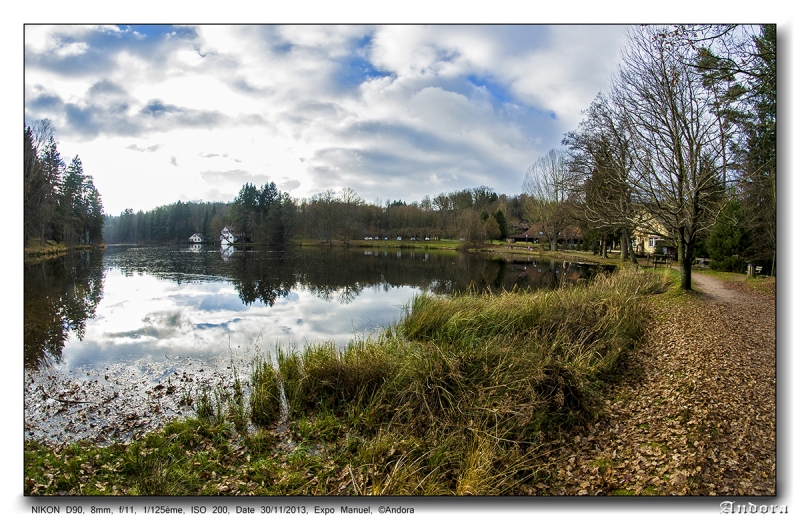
pixel 72 204
pixel 729 239
pixel 502 223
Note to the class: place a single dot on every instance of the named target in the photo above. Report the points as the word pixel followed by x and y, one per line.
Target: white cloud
pixel 71 49
pixel 288 185
pixel 233 177
pixel 400 108
pixel 138 148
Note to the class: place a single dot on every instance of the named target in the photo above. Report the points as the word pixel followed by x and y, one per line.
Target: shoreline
pixel 55 249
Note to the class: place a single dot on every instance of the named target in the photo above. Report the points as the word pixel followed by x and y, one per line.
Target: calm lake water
pixel 118 323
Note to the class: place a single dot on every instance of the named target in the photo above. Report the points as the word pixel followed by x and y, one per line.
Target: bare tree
pixel 43 132
pixel 350 204
pixel 600 161
pixel 548 184
pixel 675 142
pixel 326 201
pixel 470 227
pixel 443 205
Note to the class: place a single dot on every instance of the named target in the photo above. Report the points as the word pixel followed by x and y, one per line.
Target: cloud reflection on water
pixel 143 317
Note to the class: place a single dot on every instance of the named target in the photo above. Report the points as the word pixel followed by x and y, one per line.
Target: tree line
pixel 682 147
pixel 476 213
pixel 268 216
pixel 61 202
pixel 169 223
pixel 264 215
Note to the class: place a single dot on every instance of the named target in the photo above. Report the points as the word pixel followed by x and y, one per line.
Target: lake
pixel 110 332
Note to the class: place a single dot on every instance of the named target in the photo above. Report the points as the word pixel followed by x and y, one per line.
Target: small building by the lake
pixel 198 238
pixel 570 237
pixel 230 236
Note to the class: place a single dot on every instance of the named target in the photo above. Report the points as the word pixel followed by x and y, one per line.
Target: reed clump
pixel 265 396
pixel 487 376
pixel 323 377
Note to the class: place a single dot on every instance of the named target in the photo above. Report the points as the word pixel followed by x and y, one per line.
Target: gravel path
pixel 695 414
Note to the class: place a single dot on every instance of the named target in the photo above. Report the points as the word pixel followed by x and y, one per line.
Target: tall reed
pixel 471 384
pixel 265 398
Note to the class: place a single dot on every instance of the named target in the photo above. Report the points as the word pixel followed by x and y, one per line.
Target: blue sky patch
pixel 159 30
pixel 204 326
pixel 355 70
pixel 499 92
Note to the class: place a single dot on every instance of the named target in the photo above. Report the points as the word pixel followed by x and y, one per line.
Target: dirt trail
pixel 714 289
pixel 695 414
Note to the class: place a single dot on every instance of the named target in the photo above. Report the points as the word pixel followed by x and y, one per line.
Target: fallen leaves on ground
pixel 696 413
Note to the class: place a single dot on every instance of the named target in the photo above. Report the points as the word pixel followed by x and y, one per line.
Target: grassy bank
pixel 446 245
pixel 455 399
pixel 37 251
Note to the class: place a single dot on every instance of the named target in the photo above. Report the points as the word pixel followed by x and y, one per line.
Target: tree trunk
pixel 623 246
pixel 685 251
pixel 686 273
pixel 632 251
pixel 772 271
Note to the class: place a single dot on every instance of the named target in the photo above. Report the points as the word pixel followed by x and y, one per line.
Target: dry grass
pixel 486 375
pixel 265 398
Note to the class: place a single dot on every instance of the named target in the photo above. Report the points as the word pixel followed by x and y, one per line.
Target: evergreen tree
pixel 759 155
pixel 95 217
pixel 729 239
pixel 267 198
pixel 502 223
pixel 71 203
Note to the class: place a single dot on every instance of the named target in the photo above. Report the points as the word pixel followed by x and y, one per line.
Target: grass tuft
pixel 265 399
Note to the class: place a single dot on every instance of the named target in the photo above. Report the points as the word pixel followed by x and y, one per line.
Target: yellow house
pixel 649 238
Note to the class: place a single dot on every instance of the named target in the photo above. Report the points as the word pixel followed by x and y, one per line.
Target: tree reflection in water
pixel 61 294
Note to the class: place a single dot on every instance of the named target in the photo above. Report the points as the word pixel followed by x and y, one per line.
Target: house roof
pixel 232 231
pixel 520 227
pixel 535 231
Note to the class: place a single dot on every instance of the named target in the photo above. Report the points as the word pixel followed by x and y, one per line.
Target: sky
pixel 161 113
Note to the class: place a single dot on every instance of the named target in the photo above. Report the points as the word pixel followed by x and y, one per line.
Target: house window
pixel 651 242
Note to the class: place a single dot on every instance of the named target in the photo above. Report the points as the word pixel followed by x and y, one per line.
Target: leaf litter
pixel 695 412
pixel 119 402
